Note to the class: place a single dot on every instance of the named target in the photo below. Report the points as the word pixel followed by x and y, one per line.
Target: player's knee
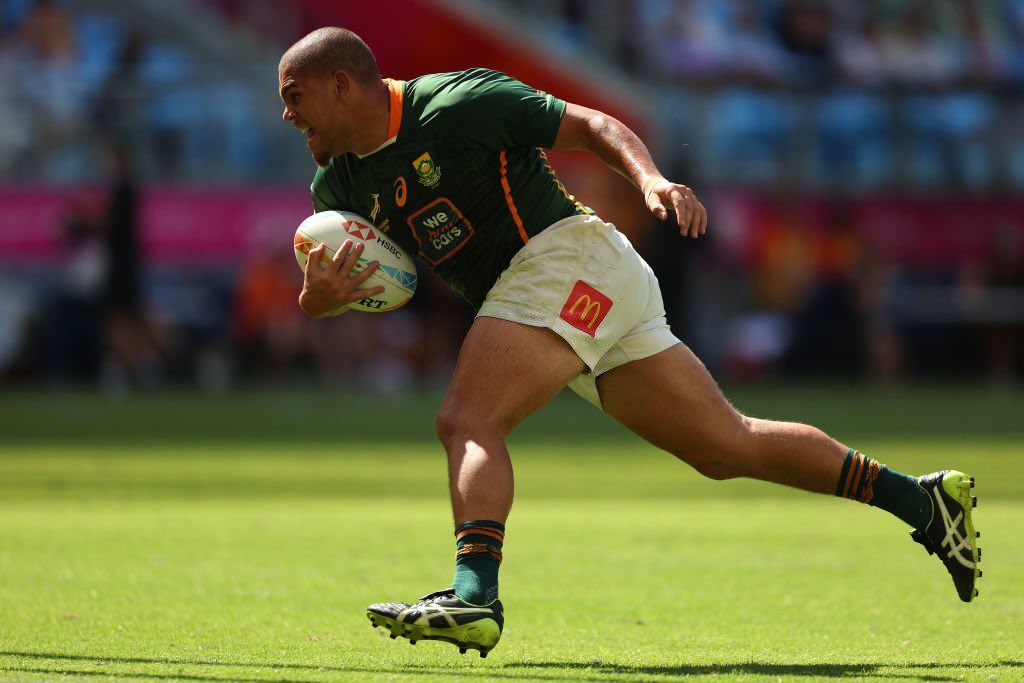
pixel 448 422
pixel 458 420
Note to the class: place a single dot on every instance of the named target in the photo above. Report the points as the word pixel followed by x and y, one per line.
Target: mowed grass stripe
pixel 309 417
pixel 617 468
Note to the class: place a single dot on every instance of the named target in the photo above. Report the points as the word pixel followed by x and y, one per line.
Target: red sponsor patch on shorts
pixel 585 308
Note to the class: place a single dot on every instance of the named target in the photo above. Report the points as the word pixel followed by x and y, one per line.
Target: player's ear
pixel 340 82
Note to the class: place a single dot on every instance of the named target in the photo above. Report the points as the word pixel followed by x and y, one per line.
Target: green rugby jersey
pixel 463 181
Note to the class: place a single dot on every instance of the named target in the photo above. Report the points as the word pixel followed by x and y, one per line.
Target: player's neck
pixel 375 119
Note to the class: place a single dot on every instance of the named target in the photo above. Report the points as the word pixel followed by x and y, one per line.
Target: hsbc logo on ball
pixel 363 232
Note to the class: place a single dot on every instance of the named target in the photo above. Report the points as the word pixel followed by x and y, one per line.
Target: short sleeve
pixel 325 194
pixel 494 109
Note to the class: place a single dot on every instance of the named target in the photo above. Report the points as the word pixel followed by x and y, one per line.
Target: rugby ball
pixel 396 273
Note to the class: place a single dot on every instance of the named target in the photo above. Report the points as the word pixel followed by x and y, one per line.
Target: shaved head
pixel 331 49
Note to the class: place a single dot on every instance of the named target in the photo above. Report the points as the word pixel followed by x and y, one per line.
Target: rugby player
pixel 452 167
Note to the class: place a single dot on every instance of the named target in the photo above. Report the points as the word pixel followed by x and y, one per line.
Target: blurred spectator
pixel 804 30
pixel 271 334
pixel 74 319
pixel 985 47
pixel 917 53
pixel 1003 330
pixel 828 329
pixel 42 45
pixel 388 353
pixel 16 132
pixel 263 20
pixel 118 106
pixel 754 55
pixel 779 99
pixel 859 53
pixel 691 46
pixel 136 348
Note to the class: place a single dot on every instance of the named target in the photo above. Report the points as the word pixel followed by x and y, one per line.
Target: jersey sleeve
pixel 325 194
pixel 495 109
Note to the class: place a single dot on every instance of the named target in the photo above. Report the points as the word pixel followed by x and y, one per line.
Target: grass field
pixel 239 538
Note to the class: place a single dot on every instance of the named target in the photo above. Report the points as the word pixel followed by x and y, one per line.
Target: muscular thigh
pixel 671 400
pixel 506 371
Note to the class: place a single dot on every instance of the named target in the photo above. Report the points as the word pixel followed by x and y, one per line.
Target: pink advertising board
pixel 227 225
pixel 177 225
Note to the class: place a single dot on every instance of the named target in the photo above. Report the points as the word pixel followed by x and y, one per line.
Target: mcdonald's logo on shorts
pixel 585 308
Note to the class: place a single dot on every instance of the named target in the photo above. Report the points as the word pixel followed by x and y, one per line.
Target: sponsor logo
pixel 376 207
pixel 586 308
pixel 360 230
pixel 440 230
pixel 429 173
pixel 401 191
pixel 390 247
pixel 375 304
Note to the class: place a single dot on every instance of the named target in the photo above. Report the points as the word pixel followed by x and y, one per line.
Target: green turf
pixel 238 538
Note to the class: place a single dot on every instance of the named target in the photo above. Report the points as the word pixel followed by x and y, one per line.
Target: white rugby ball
pixel 396 273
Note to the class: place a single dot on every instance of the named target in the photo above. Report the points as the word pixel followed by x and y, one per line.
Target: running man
pixel 452 167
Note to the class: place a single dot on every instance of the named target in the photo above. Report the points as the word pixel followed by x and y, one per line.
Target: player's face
pixel 312 105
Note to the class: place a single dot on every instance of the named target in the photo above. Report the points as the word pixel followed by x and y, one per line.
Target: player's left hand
pixel 690 213
pixel 326 291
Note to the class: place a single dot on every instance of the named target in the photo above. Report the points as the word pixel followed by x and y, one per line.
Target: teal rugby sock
pixel 477 559
pixel 868 481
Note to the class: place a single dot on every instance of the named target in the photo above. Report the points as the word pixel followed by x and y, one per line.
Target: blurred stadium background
pixel 863 166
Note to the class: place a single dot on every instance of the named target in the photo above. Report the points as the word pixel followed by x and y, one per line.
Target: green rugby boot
pixel 442 616
pixel 951 534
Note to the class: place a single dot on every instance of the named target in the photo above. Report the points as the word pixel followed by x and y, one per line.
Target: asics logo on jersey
pixel 953 539
pixel 401 191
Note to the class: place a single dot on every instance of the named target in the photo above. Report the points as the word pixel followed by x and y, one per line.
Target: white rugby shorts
pixel 582 279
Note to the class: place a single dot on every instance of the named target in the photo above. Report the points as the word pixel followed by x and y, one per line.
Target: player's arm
pixel 620 148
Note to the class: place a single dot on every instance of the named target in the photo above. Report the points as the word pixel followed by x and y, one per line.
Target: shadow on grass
pixel 896 670
pixel 589 671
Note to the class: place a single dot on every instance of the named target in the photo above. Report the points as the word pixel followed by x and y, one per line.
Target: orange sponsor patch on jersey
pixel 585 308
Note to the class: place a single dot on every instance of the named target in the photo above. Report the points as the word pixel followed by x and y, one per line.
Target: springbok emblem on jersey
pixel 376 207
pixel 428 171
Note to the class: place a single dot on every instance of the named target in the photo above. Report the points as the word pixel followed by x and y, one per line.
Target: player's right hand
pixel 691 216
pixel 327 291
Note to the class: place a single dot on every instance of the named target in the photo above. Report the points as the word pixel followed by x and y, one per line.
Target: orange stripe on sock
pixel 868 494
pixel 508 198
pixel 853 475
pixel 473 549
